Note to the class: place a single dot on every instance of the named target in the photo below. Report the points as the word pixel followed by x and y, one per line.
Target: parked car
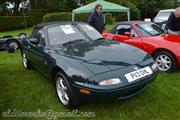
pixel 162 17
pixel 83 65
pixel 9 43
pixel 150 38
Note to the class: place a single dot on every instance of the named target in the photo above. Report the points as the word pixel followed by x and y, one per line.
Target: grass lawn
pixel 15 33
pixel 29 91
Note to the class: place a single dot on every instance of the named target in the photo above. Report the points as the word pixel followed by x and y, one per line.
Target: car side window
pixel 121 29
pixel 42 39
pixel 37 33
pixel 133 33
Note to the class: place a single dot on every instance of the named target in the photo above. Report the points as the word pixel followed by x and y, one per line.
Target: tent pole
pixel 104 18
pixel 128 15
pixel 73 16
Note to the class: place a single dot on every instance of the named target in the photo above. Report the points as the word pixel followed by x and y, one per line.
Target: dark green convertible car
pixel 83 65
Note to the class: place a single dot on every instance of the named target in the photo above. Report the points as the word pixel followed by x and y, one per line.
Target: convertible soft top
pixel 131 22
pixel 41 25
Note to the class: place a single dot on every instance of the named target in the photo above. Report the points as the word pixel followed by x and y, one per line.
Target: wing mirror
pixel 34 41
pixel 128 34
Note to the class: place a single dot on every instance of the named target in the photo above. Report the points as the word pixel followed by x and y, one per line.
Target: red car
pixel 151 38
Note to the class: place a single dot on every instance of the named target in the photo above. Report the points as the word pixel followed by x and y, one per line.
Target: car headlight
pixel 155 66
pixel 110 82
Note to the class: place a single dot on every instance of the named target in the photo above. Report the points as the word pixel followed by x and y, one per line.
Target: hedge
pixel 15 22
pixel 63 16
pixel 67 16
pixel 38 16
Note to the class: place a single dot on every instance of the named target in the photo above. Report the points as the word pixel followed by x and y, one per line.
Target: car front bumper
pixel 178 60
pixel 116 93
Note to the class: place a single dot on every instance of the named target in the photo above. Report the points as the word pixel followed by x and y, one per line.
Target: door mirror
pixel 34 41
pixel 128 34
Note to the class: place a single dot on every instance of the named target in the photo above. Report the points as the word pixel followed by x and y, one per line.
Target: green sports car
pixel 83 65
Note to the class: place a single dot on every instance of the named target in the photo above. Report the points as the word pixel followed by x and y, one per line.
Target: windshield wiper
pixel 74 41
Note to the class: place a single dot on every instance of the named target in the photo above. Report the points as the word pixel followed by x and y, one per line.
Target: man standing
pixel 96 19
pixel 173 23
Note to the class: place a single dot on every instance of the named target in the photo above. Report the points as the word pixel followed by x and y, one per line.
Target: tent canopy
pixel 107 7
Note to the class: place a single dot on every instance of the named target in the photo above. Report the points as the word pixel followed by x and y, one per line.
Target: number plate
pixel 138 74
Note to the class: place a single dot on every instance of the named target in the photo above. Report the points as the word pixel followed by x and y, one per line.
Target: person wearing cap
pixel 173 23
pixel 96 19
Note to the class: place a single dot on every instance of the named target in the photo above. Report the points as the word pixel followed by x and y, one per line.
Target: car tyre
pixel 65 93
pixel 12 45
pixel 25 61
pixel 166 61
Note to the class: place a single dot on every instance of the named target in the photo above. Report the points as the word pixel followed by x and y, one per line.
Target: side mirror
pixel 128 34
pixel 34 41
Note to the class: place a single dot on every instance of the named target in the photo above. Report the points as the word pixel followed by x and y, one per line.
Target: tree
pixel 149 8
pixel 16 5
pixel 53 5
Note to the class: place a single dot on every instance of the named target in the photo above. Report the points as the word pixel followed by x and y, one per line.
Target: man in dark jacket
pixel 173 23
pixel 96 19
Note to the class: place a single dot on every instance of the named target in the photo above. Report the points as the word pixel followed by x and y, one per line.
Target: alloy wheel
pixel 62 91
pixel 24 60
pixel 13 45
pixel 164 62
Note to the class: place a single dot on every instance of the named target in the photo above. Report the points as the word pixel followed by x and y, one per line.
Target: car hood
pixel 103 55
pixel 173 38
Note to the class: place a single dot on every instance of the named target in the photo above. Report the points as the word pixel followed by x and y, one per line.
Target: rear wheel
pixel 64 92
pixel 12 45
pixel 166 61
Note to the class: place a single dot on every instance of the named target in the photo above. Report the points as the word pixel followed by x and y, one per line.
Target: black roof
pixel 131 22
pixel 41 25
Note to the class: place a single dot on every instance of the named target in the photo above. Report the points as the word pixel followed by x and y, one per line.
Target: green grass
pixel 15 33
pixel 29 91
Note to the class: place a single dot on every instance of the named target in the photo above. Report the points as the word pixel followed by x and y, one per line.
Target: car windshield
pixel 163 15
pixel 63 34
pixel 90 32
pixel 149 29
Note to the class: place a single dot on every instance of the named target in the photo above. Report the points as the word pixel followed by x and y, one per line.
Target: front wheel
pixel 65 93
pixel 166 61
pixel 25 61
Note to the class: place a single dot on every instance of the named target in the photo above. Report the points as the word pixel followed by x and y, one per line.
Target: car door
pixel 36 51
pixel 134 39
pixel 150 35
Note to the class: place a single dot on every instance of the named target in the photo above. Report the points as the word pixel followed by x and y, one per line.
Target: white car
pixel 162 17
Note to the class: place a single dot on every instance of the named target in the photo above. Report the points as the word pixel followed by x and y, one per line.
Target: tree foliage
pixel 143 8
pixel 54 5
pixel 148 8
